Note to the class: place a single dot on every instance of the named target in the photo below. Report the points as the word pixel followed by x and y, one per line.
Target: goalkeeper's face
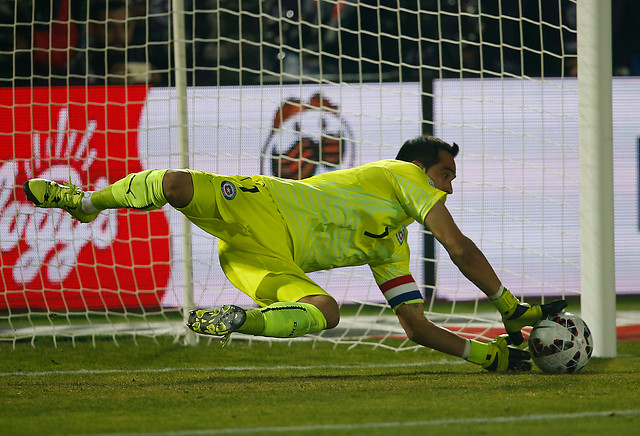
pixel 443 173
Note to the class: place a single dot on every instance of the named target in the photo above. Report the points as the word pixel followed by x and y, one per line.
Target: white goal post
pixel 229 87
pixel 595 123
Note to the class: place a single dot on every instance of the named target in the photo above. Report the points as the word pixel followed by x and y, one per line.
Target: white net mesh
pixel 89 95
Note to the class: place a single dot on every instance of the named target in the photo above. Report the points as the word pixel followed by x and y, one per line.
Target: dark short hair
pixel 425 149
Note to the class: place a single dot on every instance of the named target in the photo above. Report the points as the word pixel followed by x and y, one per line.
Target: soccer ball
pixel 561 343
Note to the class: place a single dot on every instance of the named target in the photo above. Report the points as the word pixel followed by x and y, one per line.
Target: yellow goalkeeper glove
pixel 516 315
pixel 497 355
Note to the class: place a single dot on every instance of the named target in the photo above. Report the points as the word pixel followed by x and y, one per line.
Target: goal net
pixel 93 90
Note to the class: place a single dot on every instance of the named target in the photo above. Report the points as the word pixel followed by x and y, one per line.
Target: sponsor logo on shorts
pixel 228 190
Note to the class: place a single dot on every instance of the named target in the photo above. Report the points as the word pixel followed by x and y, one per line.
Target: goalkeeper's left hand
pixel 497 355
pixel 516 315
pixel 523 314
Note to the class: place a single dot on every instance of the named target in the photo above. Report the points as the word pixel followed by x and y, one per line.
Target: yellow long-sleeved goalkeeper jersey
pixel 355 216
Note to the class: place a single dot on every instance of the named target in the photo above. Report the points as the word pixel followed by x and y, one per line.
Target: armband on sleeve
pixel 403 289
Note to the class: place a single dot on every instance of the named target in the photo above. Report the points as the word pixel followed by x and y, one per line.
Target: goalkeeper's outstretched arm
pixel 463 252
pixel 492 356
pixel 475 266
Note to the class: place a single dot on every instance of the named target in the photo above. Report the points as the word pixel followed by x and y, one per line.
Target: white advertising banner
pixel 517 191
pixel 516 194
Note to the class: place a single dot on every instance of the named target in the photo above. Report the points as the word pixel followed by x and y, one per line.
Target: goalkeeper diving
pixel 273 231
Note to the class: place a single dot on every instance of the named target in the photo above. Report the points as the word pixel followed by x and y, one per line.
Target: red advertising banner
pixel 48 261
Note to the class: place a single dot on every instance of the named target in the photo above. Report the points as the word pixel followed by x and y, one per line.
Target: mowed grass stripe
pixel 378 425
pixel 229 368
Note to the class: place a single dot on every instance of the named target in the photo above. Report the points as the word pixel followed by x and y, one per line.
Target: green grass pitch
pixel 165 388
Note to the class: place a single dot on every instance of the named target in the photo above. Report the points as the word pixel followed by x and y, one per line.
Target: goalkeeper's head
pixel 426 150
pixel 435 157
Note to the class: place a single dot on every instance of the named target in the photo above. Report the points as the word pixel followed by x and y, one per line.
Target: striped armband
pixel 403 289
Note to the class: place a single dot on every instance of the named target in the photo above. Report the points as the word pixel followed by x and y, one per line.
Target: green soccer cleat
pixel 219 322
pixel 47 193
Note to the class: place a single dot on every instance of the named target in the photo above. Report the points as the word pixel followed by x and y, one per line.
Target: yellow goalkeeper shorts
pixel 255 247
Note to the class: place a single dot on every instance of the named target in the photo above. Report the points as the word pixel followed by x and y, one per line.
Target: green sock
pixel 284 320
pixel 254 324
pixel 142 191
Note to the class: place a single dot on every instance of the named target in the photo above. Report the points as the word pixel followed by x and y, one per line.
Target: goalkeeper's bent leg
pixel 142 191
pixel 284 320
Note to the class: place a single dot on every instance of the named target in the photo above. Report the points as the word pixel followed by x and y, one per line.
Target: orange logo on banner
pixel 306 138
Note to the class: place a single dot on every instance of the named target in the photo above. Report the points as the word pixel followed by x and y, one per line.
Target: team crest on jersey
pixel 401 235
pixel 228 190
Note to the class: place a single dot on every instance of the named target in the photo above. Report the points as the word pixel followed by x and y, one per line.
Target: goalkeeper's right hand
pixel 497 355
